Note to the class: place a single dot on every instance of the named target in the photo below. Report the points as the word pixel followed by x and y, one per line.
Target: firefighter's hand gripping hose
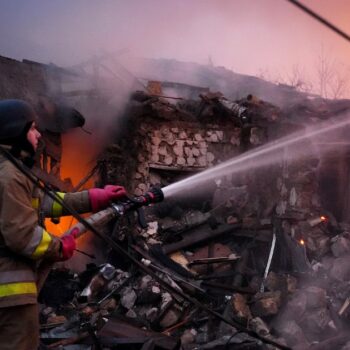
pixel 152 196
pixel 101 197
pixel 119 208
pixel 68 245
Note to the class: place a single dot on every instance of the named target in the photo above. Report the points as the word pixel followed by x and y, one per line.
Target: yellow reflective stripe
pixel 9 289
pixel 42 247
pixel 35 203
pixel 56 207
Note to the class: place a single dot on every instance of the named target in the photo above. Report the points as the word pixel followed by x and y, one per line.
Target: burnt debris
pixel 258 260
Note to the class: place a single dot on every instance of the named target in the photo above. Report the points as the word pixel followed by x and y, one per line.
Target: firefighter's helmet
pixel 15 118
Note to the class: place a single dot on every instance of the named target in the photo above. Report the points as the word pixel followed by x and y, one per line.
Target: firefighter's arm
pixel 79 201
pixel 19 223
pixel 94 200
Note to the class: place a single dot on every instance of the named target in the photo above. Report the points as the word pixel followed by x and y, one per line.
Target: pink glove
pixel 68 245
pixel 100 198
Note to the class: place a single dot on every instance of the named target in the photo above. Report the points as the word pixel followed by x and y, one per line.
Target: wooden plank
pixel 175 168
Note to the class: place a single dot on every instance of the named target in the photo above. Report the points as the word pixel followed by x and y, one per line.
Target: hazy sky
pixel 247 36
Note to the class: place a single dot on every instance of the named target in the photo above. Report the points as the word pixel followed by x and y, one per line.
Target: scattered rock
pixel 266 304
pixel 128 298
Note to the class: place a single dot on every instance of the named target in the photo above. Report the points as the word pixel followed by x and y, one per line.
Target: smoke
pixel 105 121
pixel 245 36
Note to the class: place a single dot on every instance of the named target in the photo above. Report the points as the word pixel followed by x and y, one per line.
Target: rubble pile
pixel 258 261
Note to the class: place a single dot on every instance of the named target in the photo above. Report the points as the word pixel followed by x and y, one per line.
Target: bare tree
pixel 339 85
pixel 325 70
pixel 296 78
pixel 332 78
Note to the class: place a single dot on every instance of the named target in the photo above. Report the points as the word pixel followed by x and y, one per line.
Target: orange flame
pixel 75 165
pixel 60 228
pixel 323 218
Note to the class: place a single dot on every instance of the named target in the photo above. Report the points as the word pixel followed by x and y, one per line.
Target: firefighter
pixel 24 242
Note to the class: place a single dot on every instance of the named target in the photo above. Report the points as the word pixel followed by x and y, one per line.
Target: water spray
pixel 257 158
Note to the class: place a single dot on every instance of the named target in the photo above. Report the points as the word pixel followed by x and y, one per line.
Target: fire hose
pixel 118 209
pixel 87 225
pixel 101 218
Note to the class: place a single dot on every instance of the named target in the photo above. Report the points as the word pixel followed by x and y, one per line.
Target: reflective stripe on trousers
pixel 19 288
pixel 17 283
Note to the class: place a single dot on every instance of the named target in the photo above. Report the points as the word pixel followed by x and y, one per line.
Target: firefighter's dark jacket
pixel 23 242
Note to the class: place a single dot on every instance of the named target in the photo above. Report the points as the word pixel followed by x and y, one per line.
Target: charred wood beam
pixel 225 274
pixel 224 287
pixel 85 179
pixel 199 235
pixel 52 180
pixel 261 234
pixel 205 261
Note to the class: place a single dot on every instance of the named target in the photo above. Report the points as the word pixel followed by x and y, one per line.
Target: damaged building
pixel 249 248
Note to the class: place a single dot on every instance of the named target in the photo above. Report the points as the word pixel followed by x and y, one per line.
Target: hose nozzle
pixel 154 195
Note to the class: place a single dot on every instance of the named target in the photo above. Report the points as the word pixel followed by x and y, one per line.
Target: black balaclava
pixel 16 118
pixel 22 149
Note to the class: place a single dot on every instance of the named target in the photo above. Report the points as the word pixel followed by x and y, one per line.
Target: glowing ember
pixel 323 218
pixel 302 242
